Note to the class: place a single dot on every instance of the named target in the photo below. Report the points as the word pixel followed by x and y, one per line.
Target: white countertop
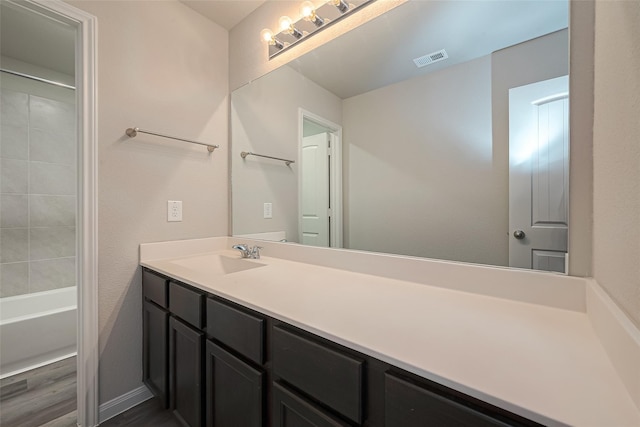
pixel 540 362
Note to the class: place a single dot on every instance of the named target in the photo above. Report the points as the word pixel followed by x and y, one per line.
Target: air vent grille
pixel 431 58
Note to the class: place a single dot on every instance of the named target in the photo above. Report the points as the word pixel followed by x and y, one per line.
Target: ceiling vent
pixel 431 58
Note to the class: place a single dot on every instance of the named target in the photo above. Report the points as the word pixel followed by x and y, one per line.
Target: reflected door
pixel 315 190
pixel 539 174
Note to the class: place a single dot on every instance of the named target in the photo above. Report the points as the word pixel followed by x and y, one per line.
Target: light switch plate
pixel 174 210
pixel 268 210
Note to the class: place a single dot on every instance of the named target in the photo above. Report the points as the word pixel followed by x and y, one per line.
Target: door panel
pixel 315 190
pixel 539 175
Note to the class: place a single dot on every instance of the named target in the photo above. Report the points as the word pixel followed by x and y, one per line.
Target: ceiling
pixel 226 13
pixel 381 52
pixel 35 39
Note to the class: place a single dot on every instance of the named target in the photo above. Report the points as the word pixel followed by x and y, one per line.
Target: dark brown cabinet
pixel 235 390
pixel 185 372
pixel 155 323
pixel 290 410
pixel 410 405
pixel 220 364
pixel 329 376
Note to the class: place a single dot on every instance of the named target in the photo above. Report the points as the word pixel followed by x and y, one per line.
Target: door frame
pixel 85 26
pixel 335 178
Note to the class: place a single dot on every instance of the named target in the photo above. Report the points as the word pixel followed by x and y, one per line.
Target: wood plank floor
pixel 44 396
pixel 149 413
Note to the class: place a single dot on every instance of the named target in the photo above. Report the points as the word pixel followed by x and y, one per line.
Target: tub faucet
pixel 248 251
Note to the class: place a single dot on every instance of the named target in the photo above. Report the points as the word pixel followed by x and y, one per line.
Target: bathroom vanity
pixel 274 342
pixel 226 365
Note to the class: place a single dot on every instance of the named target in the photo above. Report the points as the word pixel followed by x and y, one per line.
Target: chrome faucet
pixel 248 251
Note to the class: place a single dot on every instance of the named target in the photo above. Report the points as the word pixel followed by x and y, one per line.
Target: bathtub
pixel 37 329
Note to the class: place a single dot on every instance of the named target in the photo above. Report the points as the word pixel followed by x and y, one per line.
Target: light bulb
pixel 307 10
pixel 266 35
pixel 285 24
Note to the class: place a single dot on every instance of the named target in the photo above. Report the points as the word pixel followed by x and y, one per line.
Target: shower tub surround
pixel 550 348
pixel 37 329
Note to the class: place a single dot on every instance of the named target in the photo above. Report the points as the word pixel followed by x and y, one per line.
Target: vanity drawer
pixel 333 378
pixel 409 405
pixel 187 304
pixel 241 331
pixel 154 288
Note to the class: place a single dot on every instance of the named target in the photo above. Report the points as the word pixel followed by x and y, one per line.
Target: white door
pixel 539 175
pixel 315 190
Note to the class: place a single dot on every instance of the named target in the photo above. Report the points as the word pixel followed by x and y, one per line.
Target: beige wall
pixel 248 58
pixel 420 170
pixel 265 120
pixel 162 67
pixel 616 153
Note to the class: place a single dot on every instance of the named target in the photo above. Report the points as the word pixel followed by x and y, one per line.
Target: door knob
pixel 518 234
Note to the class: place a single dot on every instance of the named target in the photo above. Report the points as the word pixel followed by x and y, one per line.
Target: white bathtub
pixel 37 329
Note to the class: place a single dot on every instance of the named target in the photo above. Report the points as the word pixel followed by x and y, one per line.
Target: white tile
pixel 52 242
pixel 52 274
pixel 14 210
pixel 14 279
pixel 13 176
pixel 14 245
pixel 14 108
pixel 49 178
pixel 52 115
pixel 52 211
pixel 52 147
pixel 14 142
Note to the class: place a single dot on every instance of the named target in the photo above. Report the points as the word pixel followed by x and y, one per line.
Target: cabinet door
pixel 185 372
pixel 409 405
pixel 234 390
pixel 155 325
pixel 290 410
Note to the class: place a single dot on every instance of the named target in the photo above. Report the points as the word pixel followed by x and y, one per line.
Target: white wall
pixel 264 120
pixel 616 154
pixel 162 67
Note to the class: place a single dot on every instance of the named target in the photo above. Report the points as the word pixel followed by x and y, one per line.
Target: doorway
pixel 319 181
pixel 48 222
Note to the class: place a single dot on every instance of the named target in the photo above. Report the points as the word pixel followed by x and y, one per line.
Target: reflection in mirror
pixel 437 130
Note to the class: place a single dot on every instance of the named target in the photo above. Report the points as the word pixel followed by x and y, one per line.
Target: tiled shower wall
pixel 38 181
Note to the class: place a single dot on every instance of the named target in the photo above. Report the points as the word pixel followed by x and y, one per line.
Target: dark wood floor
pixel 41 397
pixel 149 413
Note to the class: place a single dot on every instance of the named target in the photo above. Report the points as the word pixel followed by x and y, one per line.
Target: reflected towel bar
pixel 132 132
pixel 244 154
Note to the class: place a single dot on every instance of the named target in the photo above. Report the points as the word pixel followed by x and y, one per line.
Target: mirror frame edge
pixel 581 98
pixel 581 93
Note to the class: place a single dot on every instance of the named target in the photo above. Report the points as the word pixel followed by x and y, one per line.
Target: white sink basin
pixel 217 264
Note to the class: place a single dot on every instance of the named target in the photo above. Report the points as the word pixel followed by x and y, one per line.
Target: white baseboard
pixel 618 335
pixel 123 403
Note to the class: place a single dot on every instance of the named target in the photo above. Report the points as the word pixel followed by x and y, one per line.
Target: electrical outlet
pixel 174 210
pixel 268 210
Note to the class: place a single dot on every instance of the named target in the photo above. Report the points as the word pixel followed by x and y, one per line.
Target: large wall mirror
pixel 439 129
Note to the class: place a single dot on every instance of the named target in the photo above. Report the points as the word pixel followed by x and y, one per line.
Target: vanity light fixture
pixel 286 26
pixel 308 12
pixel 342 5
pixel 313 18
pixel 267 36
